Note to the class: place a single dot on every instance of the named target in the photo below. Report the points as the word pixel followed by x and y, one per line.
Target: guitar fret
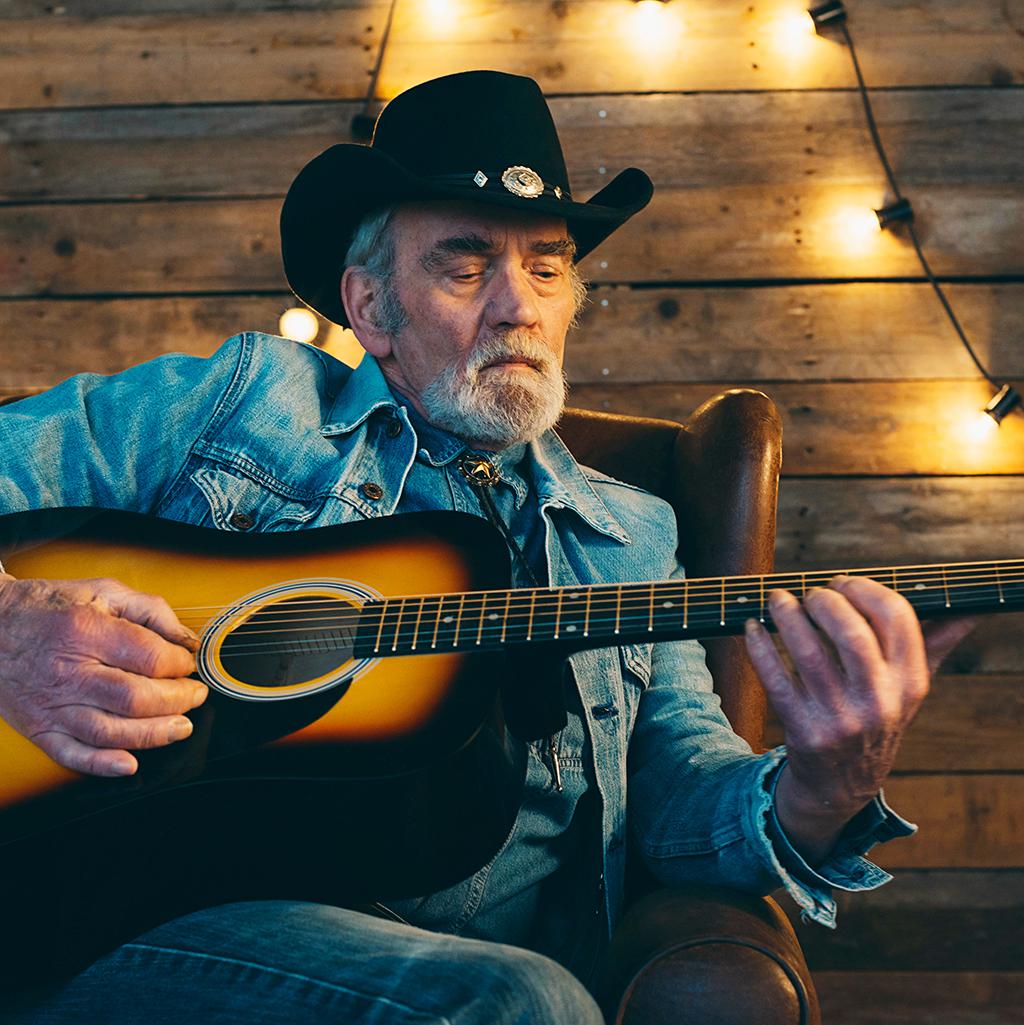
pixel 761 600
pixel 558 615
pixel 398 625
pixel 721 618
pixel 999 584
pixel 416 628
pixel 686 604
pixel 480 628
pixel 458 621
pixel 618 607
pixel 586 620
pixel 529 625
pixel 945 587
pixel 380 629
pixel 504 624
pixel 650 618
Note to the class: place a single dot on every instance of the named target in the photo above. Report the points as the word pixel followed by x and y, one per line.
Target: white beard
pixel 498 406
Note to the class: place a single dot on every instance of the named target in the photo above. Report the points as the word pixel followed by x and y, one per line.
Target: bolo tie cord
pixel 484 475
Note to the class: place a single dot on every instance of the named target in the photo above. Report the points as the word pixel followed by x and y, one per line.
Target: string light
pixel 299 324
pixel 901 211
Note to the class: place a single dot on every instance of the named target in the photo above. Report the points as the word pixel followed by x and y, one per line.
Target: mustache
pixel 514 345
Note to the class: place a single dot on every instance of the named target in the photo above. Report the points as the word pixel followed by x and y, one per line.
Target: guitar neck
pixel 610 614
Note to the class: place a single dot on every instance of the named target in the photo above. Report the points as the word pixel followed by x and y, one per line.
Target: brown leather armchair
pixel 705 955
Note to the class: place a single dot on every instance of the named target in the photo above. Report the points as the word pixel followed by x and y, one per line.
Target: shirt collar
pixel 556 475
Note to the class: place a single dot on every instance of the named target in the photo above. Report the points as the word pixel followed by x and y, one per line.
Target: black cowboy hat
pixel 479 135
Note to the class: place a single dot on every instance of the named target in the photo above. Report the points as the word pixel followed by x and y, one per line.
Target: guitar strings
pixel 604 599
pixel 717 584
pixel 450 642
pixel 238 642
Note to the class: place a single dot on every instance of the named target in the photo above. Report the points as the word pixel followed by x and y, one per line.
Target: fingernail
pixel 123 766
pixel 180 729
pixel 199 695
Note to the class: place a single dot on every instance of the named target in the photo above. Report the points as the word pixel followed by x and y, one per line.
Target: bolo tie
pixel 484 475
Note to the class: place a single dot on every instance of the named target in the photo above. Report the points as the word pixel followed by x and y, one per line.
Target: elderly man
pixel 449 246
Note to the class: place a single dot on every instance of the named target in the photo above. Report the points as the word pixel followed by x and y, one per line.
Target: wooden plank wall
pixel 145 147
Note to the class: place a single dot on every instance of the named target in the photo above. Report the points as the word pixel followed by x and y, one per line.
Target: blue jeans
pixel 282 963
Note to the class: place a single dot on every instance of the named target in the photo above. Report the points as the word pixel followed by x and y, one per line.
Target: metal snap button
pixel 242 521
pixel 393 427
pixel 372 491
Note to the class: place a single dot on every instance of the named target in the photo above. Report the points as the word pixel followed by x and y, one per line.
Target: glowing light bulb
pixel 440 15
pixel 856 228
pixel 979 428
pixel 653 29
pixel 299 324
pixel 793 32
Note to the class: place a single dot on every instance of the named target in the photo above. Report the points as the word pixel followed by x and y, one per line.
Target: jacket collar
pixel 559 481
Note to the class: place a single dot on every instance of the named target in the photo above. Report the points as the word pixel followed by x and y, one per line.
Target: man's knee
pixel 518 987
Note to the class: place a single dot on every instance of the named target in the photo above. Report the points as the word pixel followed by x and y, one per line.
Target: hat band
pixel 520 181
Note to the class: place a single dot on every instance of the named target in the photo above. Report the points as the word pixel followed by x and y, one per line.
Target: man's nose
pixel 512 300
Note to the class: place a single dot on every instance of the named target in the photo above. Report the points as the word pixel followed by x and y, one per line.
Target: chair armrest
pixel 706 954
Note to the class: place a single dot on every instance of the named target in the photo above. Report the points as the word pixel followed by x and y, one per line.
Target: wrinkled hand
pixel 90 669
pixel 862 668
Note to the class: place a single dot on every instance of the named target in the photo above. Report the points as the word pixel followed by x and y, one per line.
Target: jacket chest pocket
pixel 237 502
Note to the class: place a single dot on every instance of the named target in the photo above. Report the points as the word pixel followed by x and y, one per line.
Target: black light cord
pixel 362 123
pixel 877 140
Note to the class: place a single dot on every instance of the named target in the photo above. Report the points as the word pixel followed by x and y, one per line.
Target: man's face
pixel 489 300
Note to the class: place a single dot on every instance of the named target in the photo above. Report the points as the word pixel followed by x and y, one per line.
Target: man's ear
pixel 359 297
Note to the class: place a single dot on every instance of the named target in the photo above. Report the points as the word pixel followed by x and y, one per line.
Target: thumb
pixel 942 636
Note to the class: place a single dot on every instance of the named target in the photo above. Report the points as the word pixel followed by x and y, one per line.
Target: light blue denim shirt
pixel 288 436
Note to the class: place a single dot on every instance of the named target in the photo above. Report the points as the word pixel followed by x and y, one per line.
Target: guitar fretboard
pixel 606 614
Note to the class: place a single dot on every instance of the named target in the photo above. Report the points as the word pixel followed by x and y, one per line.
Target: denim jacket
pixel 271 435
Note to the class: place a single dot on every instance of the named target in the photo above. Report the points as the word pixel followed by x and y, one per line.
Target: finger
pixel 73 754
pixel 811 659
pixel 96 728
pixel 782 689
pixel 136 649
pixel 891 617
pixel 854 640
pixel 147 610
pixel 941 637
pixel 138 697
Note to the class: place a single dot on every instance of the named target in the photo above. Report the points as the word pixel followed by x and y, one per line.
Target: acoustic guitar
pixel 354 746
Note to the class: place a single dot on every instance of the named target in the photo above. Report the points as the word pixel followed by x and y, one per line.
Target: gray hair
pixel 373 249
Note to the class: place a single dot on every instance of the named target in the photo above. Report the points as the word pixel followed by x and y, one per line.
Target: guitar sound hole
pixel 291 641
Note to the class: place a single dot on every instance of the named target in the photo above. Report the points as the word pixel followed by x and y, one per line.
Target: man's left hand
pixel 862 668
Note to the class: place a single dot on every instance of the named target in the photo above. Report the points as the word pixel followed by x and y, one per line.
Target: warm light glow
pixel 299 324
pixel 440 16
pixel 653 29
pixel 856 228
pixel 794 33
pixel 979 428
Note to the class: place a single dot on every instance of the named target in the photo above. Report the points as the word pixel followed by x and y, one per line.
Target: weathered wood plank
pixel 967 723
pixel 83 249
pixel 599 46
pixel 890 427
pixel 189 58
pixel 836 523
pixel 728 335
pixel 970 821
pixel 114 8
pixel 924 920
pixel 858 331
pixel 921 998
pixel 937 137
pixel 596 46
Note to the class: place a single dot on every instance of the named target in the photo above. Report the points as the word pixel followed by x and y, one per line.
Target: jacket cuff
pixel 845 868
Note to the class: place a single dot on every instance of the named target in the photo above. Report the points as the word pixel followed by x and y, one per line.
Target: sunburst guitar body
pixel 314 772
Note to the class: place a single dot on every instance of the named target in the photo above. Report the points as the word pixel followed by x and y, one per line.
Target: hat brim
pixel 335 191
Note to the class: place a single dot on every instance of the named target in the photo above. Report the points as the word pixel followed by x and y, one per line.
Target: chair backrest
pixel 720 472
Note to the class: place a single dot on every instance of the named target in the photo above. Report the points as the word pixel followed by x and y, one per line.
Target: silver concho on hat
pixel 523 181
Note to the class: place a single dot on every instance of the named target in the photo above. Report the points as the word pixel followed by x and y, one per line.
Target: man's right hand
pixel 90 669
